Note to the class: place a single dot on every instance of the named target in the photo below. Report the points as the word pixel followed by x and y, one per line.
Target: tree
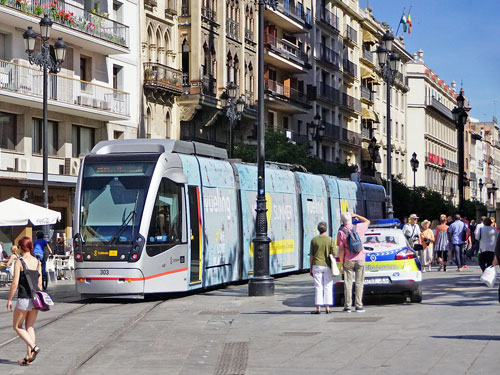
pixel 280 149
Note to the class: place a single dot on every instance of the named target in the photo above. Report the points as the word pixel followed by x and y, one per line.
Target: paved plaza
pixel 454 331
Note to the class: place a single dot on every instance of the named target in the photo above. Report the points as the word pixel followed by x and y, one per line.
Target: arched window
pixel 168 124
pixel 236 70
pixel 229 66
pixel 185 63
pixel 150 44
pixel 159 44
pixel 149 122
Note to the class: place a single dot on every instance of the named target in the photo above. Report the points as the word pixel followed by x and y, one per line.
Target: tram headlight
pixel 78 257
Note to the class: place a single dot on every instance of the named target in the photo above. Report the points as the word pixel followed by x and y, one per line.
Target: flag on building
pixel 408 21
pixel 403 21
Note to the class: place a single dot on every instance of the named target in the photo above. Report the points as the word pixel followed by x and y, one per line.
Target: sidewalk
pixel 225 332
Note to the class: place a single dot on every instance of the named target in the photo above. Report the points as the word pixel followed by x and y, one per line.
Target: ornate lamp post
pixel 261 284
pixel 414 167
pixel 45 61
pixel 388 61
pixel 443 172
pixel 460 117
pixel 481 190
pixel 317 131
pixel 233 110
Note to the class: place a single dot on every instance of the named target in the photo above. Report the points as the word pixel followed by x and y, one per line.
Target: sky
pixel 460 40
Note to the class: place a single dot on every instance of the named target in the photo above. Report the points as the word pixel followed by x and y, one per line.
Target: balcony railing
pixel 249 99
pixel 433 102
pixel 366 93
pixel 150 3
pixel 328 55
pixel 249 34
pixel 209 14
pixel 365 133
pixel 171 7
pixel 285 92
pixel 298 13
pixel 185 79
pixel 185 8
pixel 329 18
pixel 329 93
pixel 286 48
pixel 367 55
pixel 351 102
pixel 351 137
pixel 209 84
pixel 400 78
pixel 232 28
pixel 350 68
pixel 162 76
pixel 65 90
pixel 331 130
pixel 75 18
pixel 351 34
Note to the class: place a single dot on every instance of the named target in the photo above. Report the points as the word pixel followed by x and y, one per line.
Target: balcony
pixel 367 55
pixel 185 9
pixel 250 100
pixel 170 8
pixel 24 85
pixel 209 14
pixel 351 35
pixel 329 19
pixel 351 103
pixel 296 137
pixel 329 93
pixel 350 68
pixel 438 106
pixel 233 29
pixel 285 96
pixel 365 133
pixel 284 54
pixel 332 131
pixel 294 19
pixel 161 77
pixel 337 133
pixel 209 84
pixel 350 137
pixel 329 56
pixel 86 29
pixel 150 4
pixel 367 93
pixel 249 35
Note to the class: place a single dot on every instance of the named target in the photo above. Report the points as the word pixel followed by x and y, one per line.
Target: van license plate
pixel 377 280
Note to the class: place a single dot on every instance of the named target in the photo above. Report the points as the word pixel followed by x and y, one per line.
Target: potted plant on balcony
pixel 148 73
pixel 38 9
pixel 3 2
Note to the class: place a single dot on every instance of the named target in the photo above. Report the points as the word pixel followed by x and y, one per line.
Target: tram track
pixel 100 346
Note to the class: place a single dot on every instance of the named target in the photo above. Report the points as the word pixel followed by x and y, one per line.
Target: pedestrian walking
pixel 487 237
pixel 40 252
pixel 27 266
pixel 457 234
pixel 442 243
pixel 494 222
pixel 412 230
pixel 434 225
pixel 427 240
pixel 352 258
pixel 321 268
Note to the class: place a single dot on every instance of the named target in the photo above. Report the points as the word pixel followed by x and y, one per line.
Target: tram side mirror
pixel 418 247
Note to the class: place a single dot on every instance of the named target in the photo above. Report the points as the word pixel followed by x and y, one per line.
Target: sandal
pixel 34 353
pixel 316 312
pixel 24 362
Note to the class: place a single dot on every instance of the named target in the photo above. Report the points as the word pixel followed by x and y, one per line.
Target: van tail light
pixel 406 254
pixel 78 257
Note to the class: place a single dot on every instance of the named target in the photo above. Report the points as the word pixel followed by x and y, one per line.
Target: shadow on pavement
pixel 8 362
pixel 469 337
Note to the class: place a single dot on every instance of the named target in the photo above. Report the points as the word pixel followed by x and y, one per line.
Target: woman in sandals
pixel 27 266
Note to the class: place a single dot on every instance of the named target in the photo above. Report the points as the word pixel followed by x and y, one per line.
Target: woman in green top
pixel 320 268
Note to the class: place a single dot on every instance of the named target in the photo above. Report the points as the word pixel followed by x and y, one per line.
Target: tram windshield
pixel 112 201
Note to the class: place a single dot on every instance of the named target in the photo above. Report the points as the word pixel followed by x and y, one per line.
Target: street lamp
pixel 388 61
pixel 481 190
pixel 317 130
pixel 45 61
pixel 233 110
pixel 414 166
pixel 460 118
pixel 443 172
pixel 373 149
pixel 261 284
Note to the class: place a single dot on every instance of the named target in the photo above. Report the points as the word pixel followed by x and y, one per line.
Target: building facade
pixel 431 128
pixel 89 100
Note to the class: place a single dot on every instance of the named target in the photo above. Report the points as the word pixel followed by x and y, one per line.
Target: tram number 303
pixel 104 272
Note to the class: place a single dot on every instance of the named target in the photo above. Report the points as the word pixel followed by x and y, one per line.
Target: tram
pixel 161 216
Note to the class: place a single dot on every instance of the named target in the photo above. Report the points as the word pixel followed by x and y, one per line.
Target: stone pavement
pixel 454 331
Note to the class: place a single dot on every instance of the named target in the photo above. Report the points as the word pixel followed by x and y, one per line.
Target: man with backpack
pixel 352 258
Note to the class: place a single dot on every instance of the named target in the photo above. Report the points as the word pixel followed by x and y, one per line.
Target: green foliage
pixel 427 204
pixel 280 149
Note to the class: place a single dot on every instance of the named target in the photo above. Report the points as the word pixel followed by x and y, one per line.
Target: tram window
pixel 165 229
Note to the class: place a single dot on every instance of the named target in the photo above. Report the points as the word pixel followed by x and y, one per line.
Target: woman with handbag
pixel 322 247
pixel 427 240
pixel 27 271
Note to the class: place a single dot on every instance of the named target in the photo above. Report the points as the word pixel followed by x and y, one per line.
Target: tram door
pixel 195 229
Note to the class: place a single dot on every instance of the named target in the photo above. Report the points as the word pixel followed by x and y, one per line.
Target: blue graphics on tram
pixel 190 223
